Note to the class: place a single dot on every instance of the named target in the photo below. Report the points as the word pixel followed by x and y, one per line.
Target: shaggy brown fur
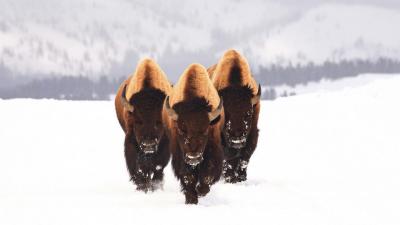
pixel 192 98
pixel 195 83
pixel 145 91
pixel 233 70
pixel 235 83
pixel 211 70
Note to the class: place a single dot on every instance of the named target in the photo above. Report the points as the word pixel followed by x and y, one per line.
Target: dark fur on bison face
pixel 193 121
pixel 239 108
pixel 144 118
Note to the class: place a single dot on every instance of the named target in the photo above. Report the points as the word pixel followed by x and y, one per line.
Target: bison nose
pixel 193 158
pixel 148 146
pixel 239 134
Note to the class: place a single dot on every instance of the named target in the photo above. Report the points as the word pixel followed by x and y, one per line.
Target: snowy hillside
pixel 92 38
pixel 73 37
pixel 331 32
pixel 330 158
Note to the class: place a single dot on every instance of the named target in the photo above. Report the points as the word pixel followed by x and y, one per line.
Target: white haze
pixel 92 38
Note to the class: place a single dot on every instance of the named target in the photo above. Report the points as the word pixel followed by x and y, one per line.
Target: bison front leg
pixel 137 175
pixel 160 163
pixel 142 181
pixel 205 181
pixel 246 155
pixel 210 172
pixel 188 181
pixel 130 157
pixel 242 170
pixel 157 179
pixel 230 171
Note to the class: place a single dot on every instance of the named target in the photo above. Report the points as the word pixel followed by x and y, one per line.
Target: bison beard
pixel 196 179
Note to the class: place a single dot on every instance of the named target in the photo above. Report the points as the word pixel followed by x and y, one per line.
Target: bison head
pixel 144 116
pixel 192 123
pixel 239 108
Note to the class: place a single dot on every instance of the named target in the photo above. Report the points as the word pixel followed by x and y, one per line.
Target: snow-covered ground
pixel 323 158
pixel 326 85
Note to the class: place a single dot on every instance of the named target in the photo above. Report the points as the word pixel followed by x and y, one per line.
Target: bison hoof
pixel 144 187
pixel 230 179
pixel 156 185
pixel 191 199
pixel 241 178
pixel 202 189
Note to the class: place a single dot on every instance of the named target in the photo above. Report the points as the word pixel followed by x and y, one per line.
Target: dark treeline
pixel 68 88
pixel 293 75
pixel 84 88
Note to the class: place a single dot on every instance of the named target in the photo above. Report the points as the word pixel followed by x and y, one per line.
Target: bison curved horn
pixel 171 112
pixel 125 102
pixel 214 114
pixel 256 99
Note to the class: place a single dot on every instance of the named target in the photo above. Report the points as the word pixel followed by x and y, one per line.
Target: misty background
pixel 83 50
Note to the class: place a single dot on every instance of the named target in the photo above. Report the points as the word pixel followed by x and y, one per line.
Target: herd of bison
pixel 207 122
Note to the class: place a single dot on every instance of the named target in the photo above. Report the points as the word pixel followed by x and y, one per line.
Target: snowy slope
pixel 91 37
pixel 331 32
pixel 330 158
pixel 97 37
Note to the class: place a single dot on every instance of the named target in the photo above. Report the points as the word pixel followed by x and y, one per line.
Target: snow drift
pixel 330 158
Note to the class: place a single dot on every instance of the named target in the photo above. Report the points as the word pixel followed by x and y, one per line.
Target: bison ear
pixel 125 102
pixel 256 99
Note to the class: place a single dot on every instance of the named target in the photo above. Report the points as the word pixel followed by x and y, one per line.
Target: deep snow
pixel 322 158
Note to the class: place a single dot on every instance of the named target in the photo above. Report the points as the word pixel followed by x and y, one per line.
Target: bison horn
pixel 171 112
pixel 214 114
pixel 125 102
pixel 256 99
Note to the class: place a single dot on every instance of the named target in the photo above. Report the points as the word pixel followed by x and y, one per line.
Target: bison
pixel 139 103
pixel 193 114
pixel 235 84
